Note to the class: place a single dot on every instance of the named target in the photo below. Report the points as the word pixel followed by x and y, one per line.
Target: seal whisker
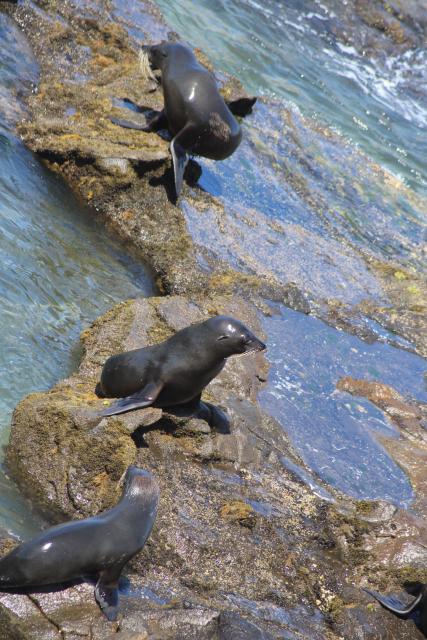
pixel 144 66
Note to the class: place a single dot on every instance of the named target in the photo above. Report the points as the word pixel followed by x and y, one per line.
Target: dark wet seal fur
pixel 403 610
pixel 175 372
pixel 219 128
pixel 194 112
pixel 97 547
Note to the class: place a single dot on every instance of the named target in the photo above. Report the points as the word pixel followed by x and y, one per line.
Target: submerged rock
pixel 405 415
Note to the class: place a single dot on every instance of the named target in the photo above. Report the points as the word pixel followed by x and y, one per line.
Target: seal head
pixel 232 337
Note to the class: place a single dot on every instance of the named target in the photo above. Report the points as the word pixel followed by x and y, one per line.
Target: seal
pixel 174 373
pixel 99 546
pixel 195 113
pixel 402 610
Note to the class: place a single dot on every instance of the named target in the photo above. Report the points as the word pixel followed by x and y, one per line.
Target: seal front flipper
pixel 241 107
pixel 143 398
pixel 158 121
pixel 394 605
pixel 107 592
pixel 180 160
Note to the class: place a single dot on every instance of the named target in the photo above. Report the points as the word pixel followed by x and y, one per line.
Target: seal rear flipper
pixel 241 107
pixel 180 160
pixel 143 398
pixel 216 418
pixel 394 604
pixel 107 596
pixel 127 124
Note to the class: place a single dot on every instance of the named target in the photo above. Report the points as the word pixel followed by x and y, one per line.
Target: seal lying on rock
pixel 402 610
pixel 194 111
pixel 175 372
pixel 98 546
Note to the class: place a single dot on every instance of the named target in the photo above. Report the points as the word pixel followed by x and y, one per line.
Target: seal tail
pixel 394 604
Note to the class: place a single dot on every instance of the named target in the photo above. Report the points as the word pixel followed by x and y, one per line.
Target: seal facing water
pixel 98 547
pixel 175 372
pixel 403 610
pixel 194 111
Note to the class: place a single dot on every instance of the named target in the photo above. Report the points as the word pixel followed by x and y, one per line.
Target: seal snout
pixel 140 482
pixel 254 344
pixel 154 55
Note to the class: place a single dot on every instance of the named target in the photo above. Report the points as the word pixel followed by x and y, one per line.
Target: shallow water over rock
pixel 333 431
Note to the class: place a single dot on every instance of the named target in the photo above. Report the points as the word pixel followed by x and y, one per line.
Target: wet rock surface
pixel 378 27
pixel 410 450
pixel 240 545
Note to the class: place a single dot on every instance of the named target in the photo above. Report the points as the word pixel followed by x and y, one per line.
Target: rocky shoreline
pixel 227 503
pixel 241 546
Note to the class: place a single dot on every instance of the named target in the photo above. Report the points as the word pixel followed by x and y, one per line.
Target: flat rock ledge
pixel 241 548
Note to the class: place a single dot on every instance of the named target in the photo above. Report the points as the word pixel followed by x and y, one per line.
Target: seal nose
pixel 260 346
pixel 254 344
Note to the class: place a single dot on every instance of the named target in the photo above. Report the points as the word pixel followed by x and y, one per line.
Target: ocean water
pixel 59 269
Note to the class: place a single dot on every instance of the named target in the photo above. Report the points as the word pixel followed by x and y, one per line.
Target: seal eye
pixel 223 338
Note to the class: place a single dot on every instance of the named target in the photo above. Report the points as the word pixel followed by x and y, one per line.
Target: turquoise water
pixel 59 269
